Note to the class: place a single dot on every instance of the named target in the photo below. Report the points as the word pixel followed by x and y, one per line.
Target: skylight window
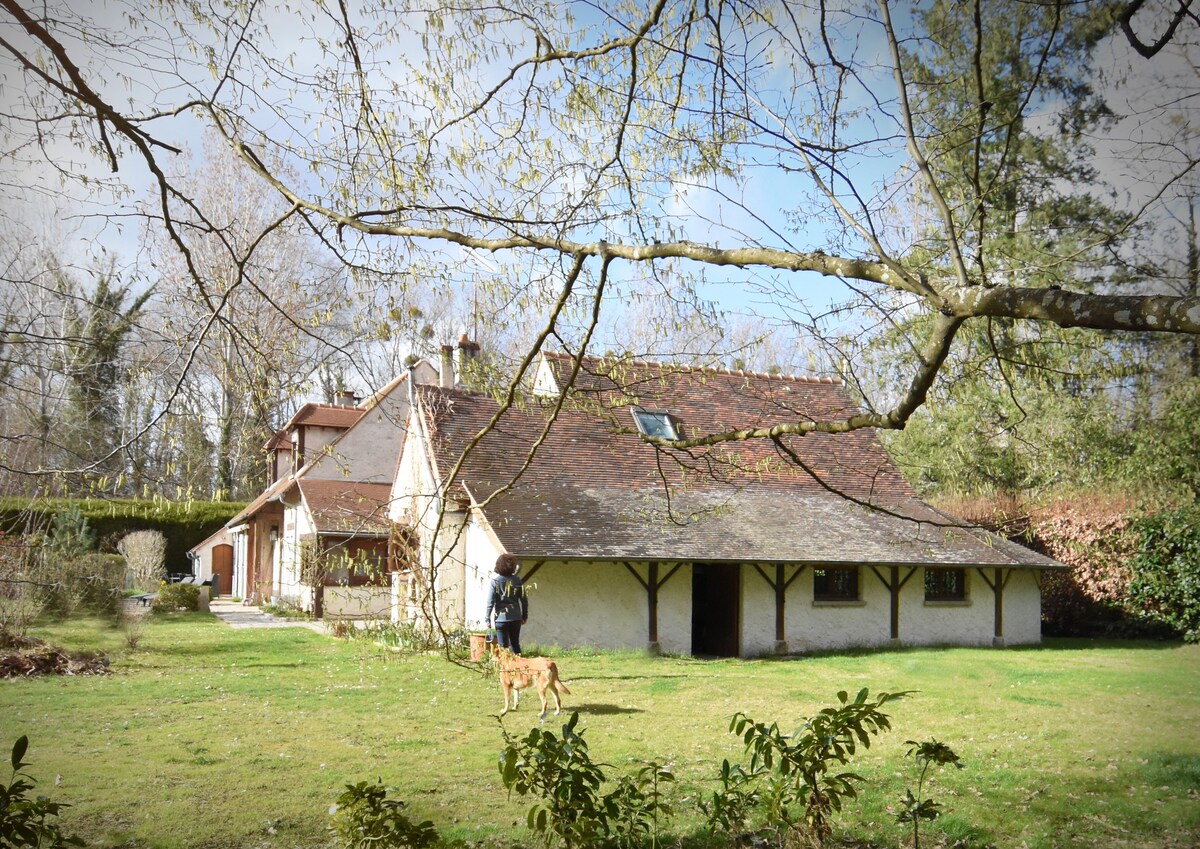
pixel 655 423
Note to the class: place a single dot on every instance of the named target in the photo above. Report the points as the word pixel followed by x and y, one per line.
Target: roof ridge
pixel 690 367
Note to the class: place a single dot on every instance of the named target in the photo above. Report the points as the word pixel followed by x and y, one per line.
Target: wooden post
pixel 895 603
pixel 780 586
pixel 999 594
pixel 652 603
pixel 650 584
pixel 894 584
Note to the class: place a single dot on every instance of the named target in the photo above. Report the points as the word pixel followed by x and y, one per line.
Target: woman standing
pixel 509 602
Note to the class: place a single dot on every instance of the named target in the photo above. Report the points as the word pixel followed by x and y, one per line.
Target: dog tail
pixel 561 687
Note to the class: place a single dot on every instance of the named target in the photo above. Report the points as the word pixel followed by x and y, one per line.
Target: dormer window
pixel 655 423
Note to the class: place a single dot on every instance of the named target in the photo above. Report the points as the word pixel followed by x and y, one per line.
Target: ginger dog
pixel 520 673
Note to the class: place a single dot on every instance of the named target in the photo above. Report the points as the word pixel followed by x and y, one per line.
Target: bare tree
pixel 788 151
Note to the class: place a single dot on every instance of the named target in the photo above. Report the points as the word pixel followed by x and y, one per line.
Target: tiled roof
pixel 594 489
pixel 345 507
pixel 326 415
pixel 263 499
pixel 317 415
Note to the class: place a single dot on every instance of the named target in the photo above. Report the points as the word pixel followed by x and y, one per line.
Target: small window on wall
pixel 839 584
pixel 655 423
pixel 945 584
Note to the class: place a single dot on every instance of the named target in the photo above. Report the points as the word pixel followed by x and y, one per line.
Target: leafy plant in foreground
pixel 636 806
pixel 915 808
pixel 364 817
pixel 797 772
pixel 25 821
pixel 730 808
pixel 560 772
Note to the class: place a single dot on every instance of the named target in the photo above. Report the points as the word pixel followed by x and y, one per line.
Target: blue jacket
pixel 507 598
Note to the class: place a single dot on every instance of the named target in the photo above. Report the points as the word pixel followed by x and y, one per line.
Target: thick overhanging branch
pixel 1164 313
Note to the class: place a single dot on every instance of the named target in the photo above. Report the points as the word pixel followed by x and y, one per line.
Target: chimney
pixel 468 357
pixel 446 379
pixel 346 398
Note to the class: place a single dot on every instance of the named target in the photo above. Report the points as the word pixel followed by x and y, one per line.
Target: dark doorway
pixel 716 598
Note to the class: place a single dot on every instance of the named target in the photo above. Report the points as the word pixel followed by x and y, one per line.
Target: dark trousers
pixel 508 635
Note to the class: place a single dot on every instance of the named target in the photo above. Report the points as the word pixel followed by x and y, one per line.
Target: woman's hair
pixel 506 565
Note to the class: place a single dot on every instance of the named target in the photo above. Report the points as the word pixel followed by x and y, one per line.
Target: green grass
pixel 206 736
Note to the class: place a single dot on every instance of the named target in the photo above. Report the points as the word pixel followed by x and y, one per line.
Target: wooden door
pixel 222 568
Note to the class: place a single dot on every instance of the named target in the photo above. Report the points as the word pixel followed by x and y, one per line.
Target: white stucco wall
pixel 480 553
pixel 238 536
pixel 296 524
pixel 601 606
pixel 972 623
pixel 316 437
pixel 1022 609
pixel 931 623
pixel 367 452
pixel 819 625
pixel 201 556
pixel 358 602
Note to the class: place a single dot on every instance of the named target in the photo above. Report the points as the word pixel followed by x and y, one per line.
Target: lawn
pixel 205 736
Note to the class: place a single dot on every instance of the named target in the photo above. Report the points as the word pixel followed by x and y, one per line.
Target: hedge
pixel 184 523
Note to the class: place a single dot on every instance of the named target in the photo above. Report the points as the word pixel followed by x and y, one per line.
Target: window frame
pixel 667 421
pixel 827 595
pixel 941 596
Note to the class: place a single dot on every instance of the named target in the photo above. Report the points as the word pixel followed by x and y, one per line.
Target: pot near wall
pixel 479 645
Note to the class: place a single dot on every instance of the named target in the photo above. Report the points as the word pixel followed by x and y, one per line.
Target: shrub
pixel 1165 586
pixel 790 779
pixel 91 582
pixel 172 597
pixel 39 576
pixel 916 808
pixel 26 821
pixel 71 536
pixel 639 806
pixel 560 772
pixel 364 817
pixel 21 597
pixel 145 553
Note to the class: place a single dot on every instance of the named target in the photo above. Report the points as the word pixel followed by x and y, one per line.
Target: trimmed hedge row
pixel 184 524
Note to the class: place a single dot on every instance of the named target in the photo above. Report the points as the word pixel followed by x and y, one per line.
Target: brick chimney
pixel 468 356
pixel 446 378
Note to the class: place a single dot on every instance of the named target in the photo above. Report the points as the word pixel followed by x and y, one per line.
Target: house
pixel 332 467
pixel 735 548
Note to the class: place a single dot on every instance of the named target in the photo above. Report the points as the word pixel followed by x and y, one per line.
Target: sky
pixel 81 220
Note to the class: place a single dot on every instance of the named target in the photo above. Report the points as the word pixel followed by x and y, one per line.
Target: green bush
pixel 560 772
pixel 184 523
pixel 916 808
pixel 364 818
pixel 91 582
pixel 792 779
pixel 26 819
pixel 172 597
pixel 1164 587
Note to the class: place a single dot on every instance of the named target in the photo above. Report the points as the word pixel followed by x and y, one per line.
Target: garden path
pixel 238 615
